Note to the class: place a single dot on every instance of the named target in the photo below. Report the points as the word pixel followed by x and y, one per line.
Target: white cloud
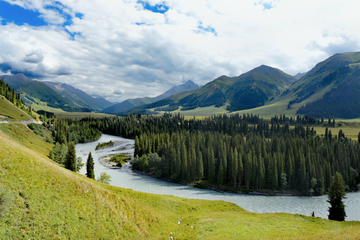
pixel 34 56
pixel 115 58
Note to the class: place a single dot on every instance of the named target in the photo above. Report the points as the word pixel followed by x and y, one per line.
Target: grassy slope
pixel 14 114
pixel 51 202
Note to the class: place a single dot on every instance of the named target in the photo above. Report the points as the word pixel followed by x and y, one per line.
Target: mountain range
pixel 78 97
pixel 131 103
pixel 330 89
pixel 249 90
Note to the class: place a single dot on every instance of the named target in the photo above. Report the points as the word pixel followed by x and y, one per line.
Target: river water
pixel 126 178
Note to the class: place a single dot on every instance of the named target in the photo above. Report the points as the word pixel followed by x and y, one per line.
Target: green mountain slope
pixel 36 92
pixel 251 89
pixel 256 87
pixel 322 76
pixel 343 100
pixel 134 103
pixel 330 89
pixel 334 80
pixel 78 97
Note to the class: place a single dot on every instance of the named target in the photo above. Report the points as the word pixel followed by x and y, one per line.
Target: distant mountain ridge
pixel 33 91
pixel 251 89
pixel 299 75
pixel 79 97
pixel 55 95
pixel 132 103
pixel 331 89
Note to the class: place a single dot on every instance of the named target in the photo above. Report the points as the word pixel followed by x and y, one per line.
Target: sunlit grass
pixel 79 115
pixel 11 112
pixel 54 203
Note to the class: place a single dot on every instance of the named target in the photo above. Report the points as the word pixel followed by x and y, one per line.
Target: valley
pixel 230 135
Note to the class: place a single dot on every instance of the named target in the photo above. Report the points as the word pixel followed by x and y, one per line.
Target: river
pixel 126 178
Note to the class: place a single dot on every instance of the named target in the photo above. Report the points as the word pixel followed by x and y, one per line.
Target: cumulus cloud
pixel 121 49
pixel 35 56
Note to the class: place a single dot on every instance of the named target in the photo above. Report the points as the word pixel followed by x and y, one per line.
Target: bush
pixel 33 126
pixel 104 178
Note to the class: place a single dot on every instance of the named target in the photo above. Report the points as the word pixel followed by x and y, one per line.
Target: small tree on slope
pixel 71 157
pixel 335 195
pixel 90 167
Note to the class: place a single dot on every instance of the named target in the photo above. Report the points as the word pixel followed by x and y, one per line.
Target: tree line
pixel 237 151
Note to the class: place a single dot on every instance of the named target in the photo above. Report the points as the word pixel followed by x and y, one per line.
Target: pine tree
pixel 211 166
pixel 184 162
pixel 335 195
pixel 199 165
pixel 71 157
pixel 90 167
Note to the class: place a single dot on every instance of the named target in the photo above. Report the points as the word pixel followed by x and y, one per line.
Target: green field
pixel 79 115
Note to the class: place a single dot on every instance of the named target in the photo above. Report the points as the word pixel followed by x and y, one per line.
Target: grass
pixel 11 112
pixel 203 111
pixel 351 130
pixel 51 202
pixel 79 115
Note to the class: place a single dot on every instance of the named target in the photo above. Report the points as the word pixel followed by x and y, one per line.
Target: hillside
pixel 86 209
pixel 133 103
pixel 256 87
pixel 78 97
pixel 46 201
pixel 36 92
pixel 252 89
pixel 326 74
pixel 327 90
pixel 10 112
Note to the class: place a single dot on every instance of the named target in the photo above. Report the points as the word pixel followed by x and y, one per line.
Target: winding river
pixel 126 178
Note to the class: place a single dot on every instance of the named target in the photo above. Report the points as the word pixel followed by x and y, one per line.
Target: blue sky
pixel 18 15
pixel 126 49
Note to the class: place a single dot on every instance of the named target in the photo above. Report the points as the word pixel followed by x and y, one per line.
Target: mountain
pixel 78 97
pixel 256 87
pixel 299 75
pixel 36 92
pixel 249 90
pixel 328 87
pixel 338 79
pixel 189 85
pixel 132 103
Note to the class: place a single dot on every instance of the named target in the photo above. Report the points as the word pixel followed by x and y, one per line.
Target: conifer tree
pixel 211 165
pixel 90 167
pixel 71 157
pixel 184 163
pixel 335 195
pixel 199 166
pixel 240 174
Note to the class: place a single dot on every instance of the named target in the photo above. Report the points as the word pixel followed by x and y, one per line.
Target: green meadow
pixel 50 202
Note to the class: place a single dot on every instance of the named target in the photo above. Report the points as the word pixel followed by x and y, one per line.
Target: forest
pixel 230 152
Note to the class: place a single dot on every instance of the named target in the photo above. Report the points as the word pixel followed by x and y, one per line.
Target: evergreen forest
pixel 231 152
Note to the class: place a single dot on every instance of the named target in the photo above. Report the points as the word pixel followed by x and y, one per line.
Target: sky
pixel 121 49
